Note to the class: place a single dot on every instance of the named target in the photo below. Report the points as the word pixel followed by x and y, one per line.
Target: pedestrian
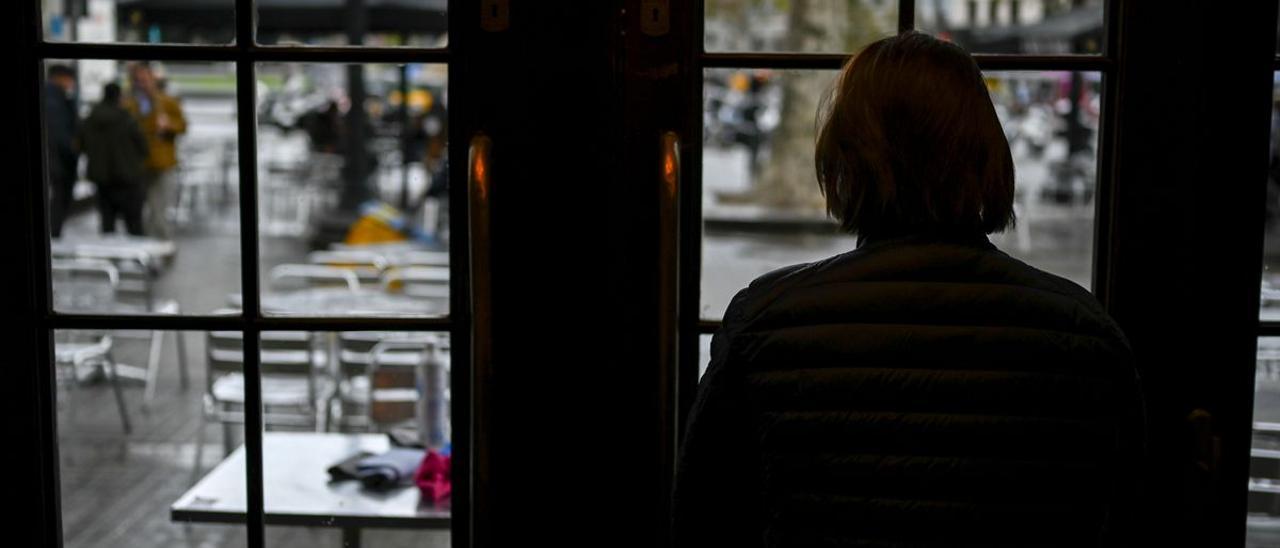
pixel 117 150
pixel 925 388
pixel 60 121
pixel 162 121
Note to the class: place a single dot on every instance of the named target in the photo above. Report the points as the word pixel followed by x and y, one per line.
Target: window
pixel 286 301
pixel 760 204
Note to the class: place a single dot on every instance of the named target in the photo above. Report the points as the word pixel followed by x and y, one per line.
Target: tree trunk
pixel 787 179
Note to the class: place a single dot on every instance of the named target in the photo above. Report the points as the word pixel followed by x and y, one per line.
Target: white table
pixel 297 489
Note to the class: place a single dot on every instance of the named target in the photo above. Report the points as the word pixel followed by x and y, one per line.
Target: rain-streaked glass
pixel 817 26
pixel 353 189
pixel 762 208
pixel 1032 27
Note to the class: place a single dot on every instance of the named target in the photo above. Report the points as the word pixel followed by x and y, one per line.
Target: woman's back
pixel 922 390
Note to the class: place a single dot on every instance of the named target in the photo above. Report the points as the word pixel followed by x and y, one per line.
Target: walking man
pixel 60 122
pixel 116 148
pixel 162 122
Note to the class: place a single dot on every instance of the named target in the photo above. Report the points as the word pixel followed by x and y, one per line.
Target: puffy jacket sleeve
pixel 177 119
pixel 715 497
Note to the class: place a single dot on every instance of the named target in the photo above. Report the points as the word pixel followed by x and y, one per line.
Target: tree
pixel 787 180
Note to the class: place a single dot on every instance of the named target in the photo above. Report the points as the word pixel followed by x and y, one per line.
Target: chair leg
pixel 73 383
pixel 198 465
pixel 115 387
pixel 226 439
pixel 179 342
pixel 153 368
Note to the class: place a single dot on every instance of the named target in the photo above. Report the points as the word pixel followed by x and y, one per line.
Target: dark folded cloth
pixel 404 436
pixel 393 468
pixel 346 469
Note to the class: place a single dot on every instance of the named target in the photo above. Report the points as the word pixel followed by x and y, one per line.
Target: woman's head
pixel 910 142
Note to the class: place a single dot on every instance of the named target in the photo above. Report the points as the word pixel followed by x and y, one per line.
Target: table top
pixel 340 301
pixel 297 490
pixel 112 242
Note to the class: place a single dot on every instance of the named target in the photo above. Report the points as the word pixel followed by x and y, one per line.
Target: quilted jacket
pixel 919 391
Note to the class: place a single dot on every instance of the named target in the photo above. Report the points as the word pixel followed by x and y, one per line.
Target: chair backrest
pixel 355 348
pixel 84 284
pixel 393 391
pixel 281 352
pixel 423 258
pixel 368 266
pixel 427 282
pixel 310 275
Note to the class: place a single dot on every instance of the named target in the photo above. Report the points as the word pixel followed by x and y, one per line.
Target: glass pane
pixel 762 208
pixel 704 354
pixel 1270 305
pixel 142 461
pixel 383 23
pixel 353 202
pixel 146 21
pixel 357 436
pixel 1016 26
pixel 820 26
pixel 1264 469
pixel 143 188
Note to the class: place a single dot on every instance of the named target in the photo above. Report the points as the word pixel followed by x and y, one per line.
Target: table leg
pixel 350 537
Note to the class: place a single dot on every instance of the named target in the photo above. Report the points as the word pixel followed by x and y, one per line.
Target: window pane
pixel 144 189
pixel 353 202
pixel 819 26
pixel 1270 305
pixel 1264 469
pixel 118 483
pixel 762 208
pixel 146 21
pixel 357 430
pixel 704 354
pixel 418 23
pixel 1016 26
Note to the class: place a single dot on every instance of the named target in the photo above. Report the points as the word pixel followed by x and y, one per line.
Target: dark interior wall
pixel 1186 240
pixel 573 442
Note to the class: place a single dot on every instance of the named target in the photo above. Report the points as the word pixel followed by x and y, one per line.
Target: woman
pixel 924 389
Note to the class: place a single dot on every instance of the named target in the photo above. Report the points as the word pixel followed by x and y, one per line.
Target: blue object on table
pixel 393 468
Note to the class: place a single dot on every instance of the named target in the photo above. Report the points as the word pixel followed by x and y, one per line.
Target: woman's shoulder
pixel 916 264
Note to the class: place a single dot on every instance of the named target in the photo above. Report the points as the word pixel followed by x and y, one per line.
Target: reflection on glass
pixel 133 438
pixel 353 189
pixel 357 433
pixel 1270 302
pixel 1264 469
pixel 142 183
pixel 822 26
pixel 762 208
pixel 704 354
pixel 379 23
pixel 145 21
pixel 1043 27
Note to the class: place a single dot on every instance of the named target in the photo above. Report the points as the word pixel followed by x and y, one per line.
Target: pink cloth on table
pixel 433 477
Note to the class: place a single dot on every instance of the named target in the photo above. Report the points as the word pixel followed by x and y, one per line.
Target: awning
pixel 295 16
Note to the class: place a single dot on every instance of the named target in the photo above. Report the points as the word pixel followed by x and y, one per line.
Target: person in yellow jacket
pixel 162 121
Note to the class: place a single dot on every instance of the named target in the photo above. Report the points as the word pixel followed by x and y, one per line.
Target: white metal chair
pixel 134 293
pixel 424 282
pixel 367 266
pixel 298 276
pixel 294 385
pixel 86 285
pixel 359 353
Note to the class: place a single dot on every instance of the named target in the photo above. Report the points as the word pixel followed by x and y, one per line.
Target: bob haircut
pixel 910 142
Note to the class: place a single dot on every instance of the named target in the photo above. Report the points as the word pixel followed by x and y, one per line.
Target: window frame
pixel 244 54
pixel 692 325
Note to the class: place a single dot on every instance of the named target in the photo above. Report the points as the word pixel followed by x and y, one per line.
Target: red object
pixel 433 478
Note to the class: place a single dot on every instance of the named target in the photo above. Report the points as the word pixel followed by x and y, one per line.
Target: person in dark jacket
pixel 60 120
pixel 116 148
pixel 925 388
